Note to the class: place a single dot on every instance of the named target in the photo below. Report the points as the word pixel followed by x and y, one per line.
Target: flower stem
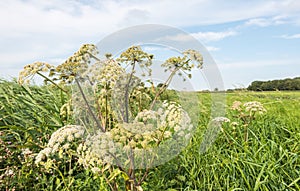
pixel 89 107
pixel 163 88
pixel 127 95
pixel 48 79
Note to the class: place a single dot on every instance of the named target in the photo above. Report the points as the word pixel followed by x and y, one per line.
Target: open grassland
pixel 268 160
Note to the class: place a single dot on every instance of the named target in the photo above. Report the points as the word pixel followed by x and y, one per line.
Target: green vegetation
pixel 269 160
pixel 122 126
pixel 272 85
pixel 98 126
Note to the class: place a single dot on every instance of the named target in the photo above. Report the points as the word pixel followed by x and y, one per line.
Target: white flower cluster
pixel 31 69
pixel 152 127
pixel 102 145
pixel 251 107
pixel 9 172
pixel 176 119
pixel 140 93
pixel 134 55
pixel 88 158
pixel 246 112
pixel 254 106
pixel 218 121
pixel 77 64
pixel 67 133
pixel 147 116
pixel 146 131
pixel 134 135
pixel 26 152
pixel 221 120
pixel 98 150
pixel 105 72
pixel 236 106
pixel 195 56
pixel 60 140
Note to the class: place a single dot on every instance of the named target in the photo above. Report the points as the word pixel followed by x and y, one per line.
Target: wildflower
pixel 177 128
pixel 26 152
pixel 236 105
pixel 55 148
pixel 167 134
pixel 31 69
pixel 195 56
pixel 221 120
pixel 66 133
pixel 70 138
pixel 42 155
pixel 105 73
pixel 144 144
pixel 66 146
pixel 254 106
pixel 95 170
pixel 9 172
pixel 62 138
pixel 76 65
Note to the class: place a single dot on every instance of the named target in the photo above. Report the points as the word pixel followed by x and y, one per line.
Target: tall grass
pixel 270 160
pixel 28 116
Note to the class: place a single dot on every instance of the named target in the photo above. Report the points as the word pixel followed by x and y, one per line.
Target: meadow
pixel 268 160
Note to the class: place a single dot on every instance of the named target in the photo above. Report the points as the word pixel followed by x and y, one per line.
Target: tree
pixel 271 85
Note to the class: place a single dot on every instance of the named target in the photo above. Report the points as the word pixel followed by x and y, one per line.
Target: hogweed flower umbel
pixel 246 113
pixel 221 120
pixel 31 69
pixel 60 139
pixel 254 107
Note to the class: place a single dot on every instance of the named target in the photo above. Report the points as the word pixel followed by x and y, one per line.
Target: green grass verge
pixel 270 160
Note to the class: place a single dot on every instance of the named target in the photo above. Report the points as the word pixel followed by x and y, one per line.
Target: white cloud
pixel 63 18
pixel 101 17
pixel 264 22
pixel 212 48
pixel 202 36
pixel 35 29
pixel 259 22
pixel 203 12
pixel 294 36
pixel 178 38
pixel 213 36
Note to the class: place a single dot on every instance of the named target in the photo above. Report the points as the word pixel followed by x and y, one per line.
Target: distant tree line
pixel 271 85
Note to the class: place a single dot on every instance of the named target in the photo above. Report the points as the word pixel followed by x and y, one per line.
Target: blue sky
pixel 249 40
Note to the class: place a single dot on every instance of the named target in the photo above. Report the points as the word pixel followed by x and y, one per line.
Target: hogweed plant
pixel 220 121
pixel 245 114
pixel 242 116
pixel 122 124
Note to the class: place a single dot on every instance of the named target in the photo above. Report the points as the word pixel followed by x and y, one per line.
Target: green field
pixel 268 160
